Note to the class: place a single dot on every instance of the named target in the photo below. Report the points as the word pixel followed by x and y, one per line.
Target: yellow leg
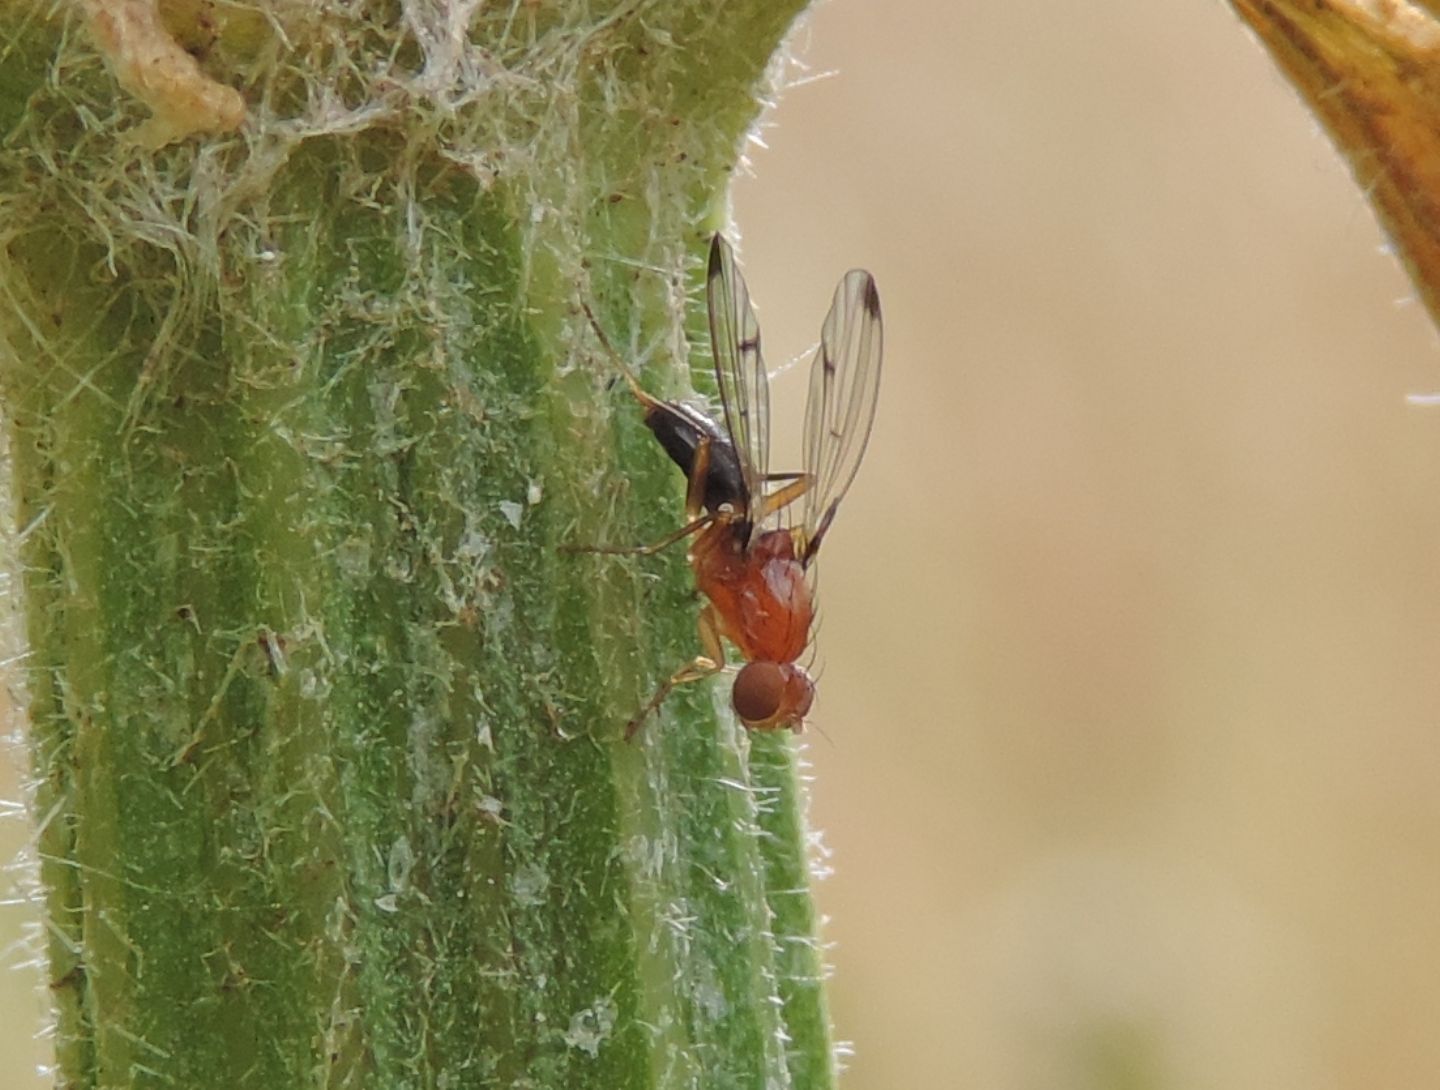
pixel 697 669
pixel 665 542
pixel 694 513
pixel 641 396
pixel 695 485
pixel 781 497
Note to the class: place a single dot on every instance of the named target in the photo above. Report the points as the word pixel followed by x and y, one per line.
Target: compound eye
pixel 758 692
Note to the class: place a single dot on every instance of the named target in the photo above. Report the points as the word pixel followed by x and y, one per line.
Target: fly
pixel 751 557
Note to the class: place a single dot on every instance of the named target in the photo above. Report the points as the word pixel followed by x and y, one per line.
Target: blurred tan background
pixel 1128 742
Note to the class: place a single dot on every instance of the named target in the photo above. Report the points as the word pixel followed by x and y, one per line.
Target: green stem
pixel 326 727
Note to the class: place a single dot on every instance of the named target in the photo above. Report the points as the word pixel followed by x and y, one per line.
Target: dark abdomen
pixel 680 430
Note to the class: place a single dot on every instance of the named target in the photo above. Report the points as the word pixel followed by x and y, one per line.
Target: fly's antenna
pixel 618 360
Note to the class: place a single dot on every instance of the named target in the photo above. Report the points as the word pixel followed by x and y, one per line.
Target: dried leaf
pixel 1371 72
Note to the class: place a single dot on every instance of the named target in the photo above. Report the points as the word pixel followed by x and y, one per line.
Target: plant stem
pixel 326 728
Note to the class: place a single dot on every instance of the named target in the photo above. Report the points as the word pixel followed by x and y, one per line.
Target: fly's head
pixel 772 695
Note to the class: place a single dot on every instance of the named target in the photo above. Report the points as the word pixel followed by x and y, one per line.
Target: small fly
pixel 752 560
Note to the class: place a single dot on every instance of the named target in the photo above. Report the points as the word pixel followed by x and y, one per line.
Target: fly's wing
pixel 840 410
pixel 739 368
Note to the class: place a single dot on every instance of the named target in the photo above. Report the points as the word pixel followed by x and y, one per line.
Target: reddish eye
pixel 758 692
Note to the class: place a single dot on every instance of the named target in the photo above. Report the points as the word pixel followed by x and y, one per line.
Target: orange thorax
pixel 759 593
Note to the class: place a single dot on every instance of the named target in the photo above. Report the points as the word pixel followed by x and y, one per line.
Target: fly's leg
pixel 631 380
pixel 704 665
pixel 799 484
pixel 699 474
pixel 665 542
pixel 696 517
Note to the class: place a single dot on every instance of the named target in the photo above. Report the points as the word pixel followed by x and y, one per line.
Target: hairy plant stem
pixel 326 729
